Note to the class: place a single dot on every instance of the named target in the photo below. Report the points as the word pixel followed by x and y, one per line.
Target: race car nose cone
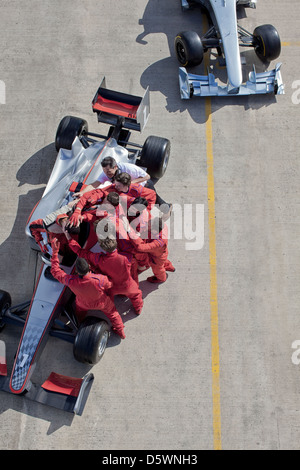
pixel 225 14
pixel 234 71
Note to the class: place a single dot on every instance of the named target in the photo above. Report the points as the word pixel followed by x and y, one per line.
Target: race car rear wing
pixel 206 85
pixel 112 105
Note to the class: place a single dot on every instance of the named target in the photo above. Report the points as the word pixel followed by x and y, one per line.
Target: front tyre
pixel 189 49
pixel 69 128
pixel 91 340
pixel 267 42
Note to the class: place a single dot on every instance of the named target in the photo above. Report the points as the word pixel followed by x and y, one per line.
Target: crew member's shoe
pixel 154 280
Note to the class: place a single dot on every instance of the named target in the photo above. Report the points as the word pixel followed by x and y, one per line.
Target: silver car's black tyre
pixel 69 128
pixel 267 42
pixel 5 303
pixel 189 48
pixel 91 340
pixel 155 156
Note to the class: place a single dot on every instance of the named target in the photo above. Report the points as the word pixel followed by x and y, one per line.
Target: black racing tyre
pixel 155 156
pixel 267 42
pixel 189 48
pixel 5 303
pixel 91 340
pixel 69 128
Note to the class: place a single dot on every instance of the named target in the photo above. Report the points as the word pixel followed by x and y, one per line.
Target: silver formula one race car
pixel 227 36
pixel 49 312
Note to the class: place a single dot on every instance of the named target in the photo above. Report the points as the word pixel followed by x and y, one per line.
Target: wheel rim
pixel 260 48
pixel 103 343
pixel 181 53
pixel 83 132
pixel 166 161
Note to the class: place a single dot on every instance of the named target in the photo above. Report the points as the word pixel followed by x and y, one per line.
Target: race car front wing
pixel 59 391
pixel 63 392
pixel 206 85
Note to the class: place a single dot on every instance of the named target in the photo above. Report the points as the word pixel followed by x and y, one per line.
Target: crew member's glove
pixel 42 246
pixel 76 218
pixel 55 246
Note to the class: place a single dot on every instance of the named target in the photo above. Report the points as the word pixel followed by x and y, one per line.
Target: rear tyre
pixel 189 49
pixel 91 340
pixel 267 42
pixel 69 128
pixel 155 156
pixel 5 303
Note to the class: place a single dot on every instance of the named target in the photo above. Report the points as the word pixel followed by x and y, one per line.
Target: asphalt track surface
pixel 212 362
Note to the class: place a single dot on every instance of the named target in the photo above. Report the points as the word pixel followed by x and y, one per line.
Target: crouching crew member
pixel 114 265
pixel 90 290
pixel 153 251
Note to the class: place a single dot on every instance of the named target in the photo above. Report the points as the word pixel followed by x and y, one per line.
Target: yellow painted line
pixel 215 361
pixel 290 43
pixel 215 356
pixel 214 320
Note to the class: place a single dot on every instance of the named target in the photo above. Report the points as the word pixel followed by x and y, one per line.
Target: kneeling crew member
pixel 90 290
